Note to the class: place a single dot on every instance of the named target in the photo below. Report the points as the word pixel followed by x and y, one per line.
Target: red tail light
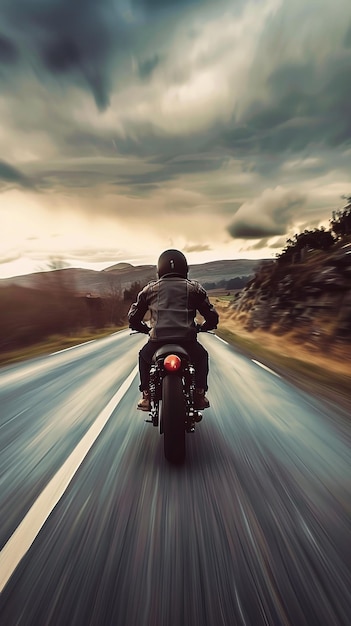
pixel 172 362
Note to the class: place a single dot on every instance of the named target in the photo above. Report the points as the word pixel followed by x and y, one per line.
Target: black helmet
pixel 172 262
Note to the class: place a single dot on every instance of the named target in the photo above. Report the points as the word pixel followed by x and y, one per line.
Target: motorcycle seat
pixel 170 348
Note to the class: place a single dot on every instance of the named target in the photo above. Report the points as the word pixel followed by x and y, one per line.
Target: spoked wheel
pixel 173 419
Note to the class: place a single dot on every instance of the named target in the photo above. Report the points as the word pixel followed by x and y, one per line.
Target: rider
pixel 173 300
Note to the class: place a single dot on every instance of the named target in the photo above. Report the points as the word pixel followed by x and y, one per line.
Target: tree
pixel 341 220
pixel 55 263
pixel 56 277
pixel 130 294
pixel 113 299
pixel 316 239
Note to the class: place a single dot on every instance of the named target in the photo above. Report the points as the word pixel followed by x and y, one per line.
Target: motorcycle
pixel 171 390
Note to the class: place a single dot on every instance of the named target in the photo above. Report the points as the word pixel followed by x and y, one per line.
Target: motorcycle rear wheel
pixel 173 418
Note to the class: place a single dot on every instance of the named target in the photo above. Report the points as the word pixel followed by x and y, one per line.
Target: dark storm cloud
pixel 86 43
pixel 154 7
pixel 147 67
pixel 145 140
pixel 76 177
pixel 82 176
pixel 91 44
pixel 13 176
pixel 305 109
pixel 269 215
pixel 305 106
pixel 159 5
pixel 172 169
pixel 72 40
pixel 8 51
pixel 244 230
pixel 196 247
pixel 153 165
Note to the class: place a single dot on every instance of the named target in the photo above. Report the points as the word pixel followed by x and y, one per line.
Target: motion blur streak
pixel 254 529
pixel 265 367
pixel 26 532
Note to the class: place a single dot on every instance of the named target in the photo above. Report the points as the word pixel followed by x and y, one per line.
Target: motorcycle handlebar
pixel 138 332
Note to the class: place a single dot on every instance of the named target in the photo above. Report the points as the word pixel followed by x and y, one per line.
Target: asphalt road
pixel 97 529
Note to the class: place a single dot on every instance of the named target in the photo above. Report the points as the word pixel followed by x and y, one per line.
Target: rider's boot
pixel 201 402
pixel 144 402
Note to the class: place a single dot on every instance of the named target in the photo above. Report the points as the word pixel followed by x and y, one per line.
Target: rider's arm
pixel 207 311
pixel 136 313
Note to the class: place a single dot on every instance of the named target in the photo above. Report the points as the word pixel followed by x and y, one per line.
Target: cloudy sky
pixel 130 126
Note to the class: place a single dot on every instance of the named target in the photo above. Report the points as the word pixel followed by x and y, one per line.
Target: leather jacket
pixel 172 302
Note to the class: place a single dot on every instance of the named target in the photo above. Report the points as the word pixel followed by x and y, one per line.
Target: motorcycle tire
pixel 173 418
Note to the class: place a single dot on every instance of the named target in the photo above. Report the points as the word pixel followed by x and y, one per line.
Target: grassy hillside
pixel 309 296
pixel 295 316
pixel 326 375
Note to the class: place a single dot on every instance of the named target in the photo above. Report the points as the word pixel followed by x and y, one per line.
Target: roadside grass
pixel 332 386
pixel 222 295
pixel 227 298
pixel 54 344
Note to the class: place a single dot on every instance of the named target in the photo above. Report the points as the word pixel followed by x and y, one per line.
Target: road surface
pixel 97 529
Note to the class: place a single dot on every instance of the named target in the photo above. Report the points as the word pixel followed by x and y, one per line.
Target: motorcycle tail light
pixel 172 363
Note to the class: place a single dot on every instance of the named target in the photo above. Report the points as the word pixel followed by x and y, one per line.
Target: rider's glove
pixel 204 328
pixel 141 328
pixel 145 329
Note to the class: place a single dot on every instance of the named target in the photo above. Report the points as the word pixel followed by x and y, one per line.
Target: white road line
pixel 77 345
pixel 23 537
pixel 222 340
pixel 13 418
pixel 265 368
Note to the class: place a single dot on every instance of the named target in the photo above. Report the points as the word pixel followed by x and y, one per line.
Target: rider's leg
pixel 145 359
pixel 199 356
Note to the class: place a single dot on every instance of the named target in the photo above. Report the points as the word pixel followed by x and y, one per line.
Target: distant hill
pixel 217 271
pixel 121 276
pixel 118 266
